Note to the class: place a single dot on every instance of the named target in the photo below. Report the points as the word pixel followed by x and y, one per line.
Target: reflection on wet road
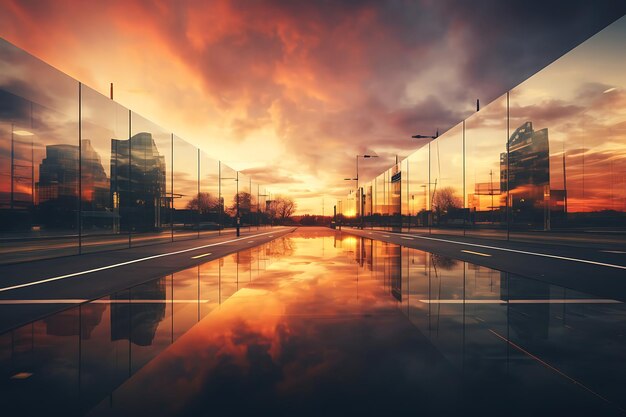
pixel 318 323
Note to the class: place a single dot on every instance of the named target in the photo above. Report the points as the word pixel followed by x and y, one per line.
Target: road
pixel 32 290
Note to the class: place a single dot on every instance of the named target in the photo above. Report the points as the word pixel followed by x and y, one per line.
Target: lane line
pixel 385 235
pixel 252 241
pixel 545 255
pixel 475 253
pixel 85 300
pixel 147 258
pixel 407 238
pixel 613 251
pixel 201 256
pixel 537 301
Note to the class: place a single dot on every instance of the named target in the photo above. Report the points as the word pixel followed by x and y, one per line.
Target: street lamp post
pixel 258 205
pixel 238 220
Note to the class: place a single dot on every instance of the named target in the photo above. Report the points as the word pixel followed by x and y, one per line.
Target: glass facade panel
pixel 102 122
pixel 368 189
pixel 80 173
pixel 418 191
pixel 404 191
pixel 246 201
pixel 394 198
pixel 39 158
pixel 263 196
pixel 548 155
pixel 207 202
pixel 229 187
pixel 379 201
pixel 149 206
pixel 446 178
pixel 255 209
pixel 568 141
pixel 485 170
pixel 185 190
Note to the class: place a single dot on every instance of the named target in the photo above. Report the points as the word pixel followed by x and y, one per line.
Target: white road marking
pixel 538 301
pixel 117 301
pixel 613 251
pixel 385 235
pixel 201 256
pixel 455 301
pixel 75 274
pixel 407 238
pixel 475 253
pixel 545 255
pixel 252 241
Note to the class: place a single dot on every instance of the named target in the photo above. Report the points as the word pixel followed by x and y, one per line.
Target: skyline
pixel 301 88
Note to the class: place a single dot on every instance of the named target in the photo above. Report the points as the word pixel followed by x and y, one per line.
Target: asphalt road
pixel 600 271
pixel 95 275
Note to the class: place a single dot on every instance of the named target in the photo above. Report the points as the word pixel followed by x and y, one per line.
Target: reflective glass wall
pixel 549 155
pixel 80 173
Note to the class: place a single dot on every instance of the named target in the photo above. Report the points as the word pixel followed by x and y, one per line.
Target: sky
pixel 290 92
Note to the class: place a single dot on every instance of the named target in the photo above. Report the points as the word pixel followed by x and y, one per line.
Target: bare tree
pixel 245 204
pixel 281 208
pixel 286 208
pixel 445 200
pixel 204 203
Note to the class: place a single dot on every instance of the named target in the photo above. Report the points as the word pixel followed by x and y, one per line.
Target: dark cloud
pixel 508 41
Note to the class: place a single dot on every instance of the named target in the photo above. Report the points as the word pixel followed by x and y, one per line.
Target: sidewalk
pixel 599 270
pixel 605 239
pixel 30 249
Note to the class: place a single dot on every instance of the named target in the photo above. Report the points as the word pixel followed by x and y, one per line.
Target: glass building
pixel 81 173
pixel 548 155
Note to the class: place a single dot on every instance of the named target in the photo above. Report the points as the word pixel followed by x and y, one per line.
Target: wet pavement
pixel 324 324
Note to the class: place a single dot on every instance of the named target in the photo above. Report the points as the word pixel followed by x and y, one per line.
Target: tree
pixel 203 203
pixel 245 204
pixel 445 200
pixel 281 208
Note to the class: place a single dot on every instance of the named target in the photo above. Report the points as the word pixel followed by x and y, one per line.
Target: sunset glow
pixel 285 92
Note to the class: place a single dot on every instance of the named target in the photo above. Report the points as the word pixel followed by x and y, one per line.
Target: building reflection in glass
pixel 525 173
pixel 138 186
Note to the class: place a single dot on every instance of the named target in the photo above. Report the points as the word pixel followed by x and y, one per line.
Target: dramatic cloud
pixel 292 91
